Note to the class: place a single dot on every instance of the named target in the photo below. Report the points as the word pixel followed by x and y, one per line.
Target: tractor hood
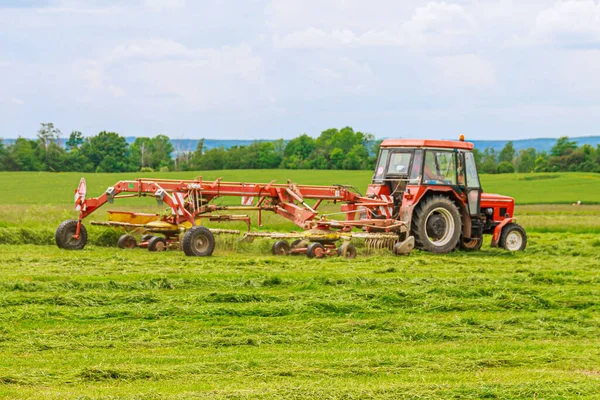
pixel 496 198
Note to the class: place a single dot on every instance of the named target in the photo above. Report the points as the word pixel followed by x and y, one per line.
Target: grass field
pixel 105 323
pixel 57 188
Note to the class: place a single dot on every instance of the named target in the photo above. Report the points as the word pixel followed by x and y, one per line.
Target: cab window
pixel 399 163
pixel 440 168
pixel 471 170
pixel 380 171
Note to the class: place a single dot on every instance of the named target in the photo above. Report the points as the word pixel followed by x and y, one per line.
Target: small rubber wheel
pixel 472 244
pixel 64 235
pixel 513 237
pixel 198 241
pixel 157 243
pixel 126 242
pixel 347 250
pixel 315 250
pixel 146 238
pixel 280 248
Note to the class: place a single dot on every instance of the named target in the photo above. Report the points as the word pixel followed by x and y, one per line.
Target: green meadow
pixel 106 323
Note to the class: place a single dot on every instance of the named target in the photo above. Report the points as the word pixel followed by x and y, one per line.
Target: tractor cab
pixel 410 164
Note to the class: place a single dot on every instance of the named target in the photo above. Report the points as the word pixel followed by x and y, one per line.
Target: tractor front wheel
pixel 436 225
pixel 65 233
pixel 198 242
pixel 513 237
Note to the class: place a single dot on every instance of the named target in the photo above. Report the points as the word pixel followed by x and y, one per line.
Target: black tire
pixel 64 235
pixel 127 242
pixel 157 243
pixel 280 248
pixel 146 238
pixel 315 250
pixel 513 237
pixel 198 241
pixel 347 250
pixel 473 244
pixel 436 225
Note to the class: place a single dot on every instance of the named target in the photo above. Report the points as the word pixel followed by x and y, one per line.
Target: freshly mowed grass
pixel 58 188
pixel 109 323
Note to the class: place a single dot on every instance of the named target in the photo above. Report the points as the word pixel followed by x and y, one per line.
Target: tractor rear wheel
pixel 513 237
pixel 473 244
pixel 64 235
pixel 126 242
pixel 157 243
pixel 280 248
pixel 198 242
pixel 436 225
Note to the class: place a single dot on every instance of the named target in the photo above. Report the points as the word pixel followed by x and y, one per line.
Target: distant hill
pixel 541 144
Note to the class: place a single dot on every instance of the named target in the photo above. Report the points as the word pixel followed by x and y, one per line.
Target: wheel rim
pixel 440 226
pixel 201 243
pixel 471 243
pixel 160 246
pixel 514 241
pixel 319 252
pixel 69 239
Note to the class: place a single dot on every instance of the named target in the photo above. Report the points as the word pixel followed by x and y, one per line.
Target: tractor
pixel 436 192
pixel 424 193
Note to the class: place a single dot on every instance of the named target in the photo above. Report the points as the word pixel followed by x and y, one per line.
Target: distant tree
pixel 75 140
pixel 507 153
pixel 23 156
pixel 489 162
pixel 3 154
pixel 140 153
pixel 505 167
pixel 107 152
pixel 563 147
pixel 298 151
pixel 161 152
pixel 478 156
pixel 541 162
pixel 526 160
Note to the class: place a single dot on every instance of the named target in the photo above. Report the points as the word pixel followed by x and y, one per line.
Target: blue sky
pixel 259 69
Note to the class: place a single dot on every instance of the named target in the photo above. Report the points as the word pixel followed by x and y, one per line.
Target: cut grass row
pixel 109 323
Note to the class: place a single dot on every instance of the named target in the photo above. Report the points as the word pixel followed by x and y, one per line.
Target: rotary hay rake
pixel 366 217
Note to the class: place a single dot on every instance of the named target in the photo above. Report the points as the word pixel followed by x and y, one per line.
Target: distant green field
pixel 57 188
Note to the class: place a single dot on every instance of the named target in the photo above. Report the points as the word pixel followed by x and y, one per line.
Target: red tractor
pixel 436 191
pixel 424 193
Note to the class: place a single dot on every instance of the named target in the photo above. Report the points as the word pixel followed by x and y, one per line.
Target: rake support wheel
pixel 315 250
pixel 127 242
pixel 64 235
pixel 280 248
pixel 157 243
pixel 198 242
pixel 347 250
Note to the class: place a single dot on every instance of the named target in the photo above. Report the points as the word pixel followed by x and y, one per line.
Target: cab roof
pixel 450 144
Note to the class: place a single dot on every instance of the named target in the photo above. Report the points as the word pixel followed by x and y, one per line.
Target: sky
pixel 267 69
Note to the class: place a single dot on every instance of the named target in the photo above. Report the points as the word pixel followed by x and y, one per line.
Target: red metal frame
pixel 189 200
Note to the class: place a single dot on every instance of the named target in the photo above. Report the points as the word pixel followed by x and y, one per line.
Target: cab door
pixel 468 173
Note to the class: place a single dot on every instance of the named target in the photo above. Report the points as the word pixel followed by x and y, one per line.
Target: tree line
pixel 565 156
pixel 344 149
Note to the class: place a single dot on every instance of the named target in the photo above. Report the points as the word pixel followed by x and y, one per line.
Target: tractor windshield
pixel 395 164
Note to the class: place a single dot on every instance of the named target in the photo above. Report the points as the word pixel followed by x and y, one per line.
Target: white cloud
pixel 437 23
pixel 17 101
pixel 467 70
pixel 569 22
pixel 161 5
